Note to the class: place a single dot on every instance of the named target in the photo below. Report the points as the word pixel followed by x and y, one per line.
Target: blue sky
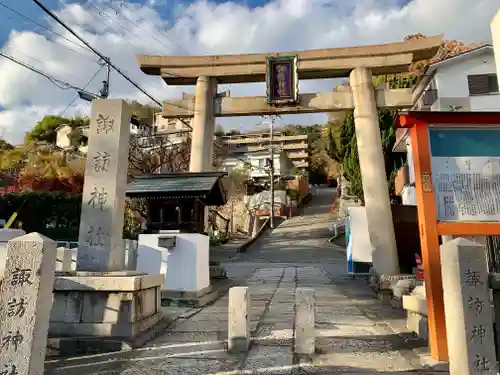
pixel 31 10
pixel 10 20
pixel 199 27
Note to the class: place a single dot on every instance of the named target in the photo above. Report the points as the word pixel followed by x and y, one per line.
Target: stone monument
pixel 100 243
pixel 468 311
pixel 101 300
pixel 25 297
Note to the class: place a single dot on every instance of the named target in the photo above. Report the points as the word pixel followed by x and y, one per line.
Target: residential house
pixel 63 138
pixel 465 82
pixel 176 129
pixel 258 165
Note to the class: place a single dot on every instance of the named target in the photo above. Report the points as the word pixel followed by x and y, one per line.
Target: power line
pixel 118 13
pixel 118 70
pixel 107 26
pixel 68 75
pixel 84 87
pixel 56 81
pixel 122 4
pixel 102 13
pixel 130 80
pixel 45 28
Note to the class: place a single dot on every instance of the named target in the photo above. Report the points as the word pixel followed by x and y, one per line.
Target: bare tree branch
pixel 156 153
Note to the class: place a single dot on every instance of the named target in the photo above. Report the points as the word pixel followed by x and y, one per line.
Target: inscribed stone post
pixel 305 334
pixel 100 246
pixel 25 304
pixel 239 319
pixel 469 316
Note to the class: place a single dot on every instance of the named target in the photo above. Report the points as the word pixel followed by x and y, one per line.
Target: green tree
pixel 348 151
pixel 5 146
pixel 45 129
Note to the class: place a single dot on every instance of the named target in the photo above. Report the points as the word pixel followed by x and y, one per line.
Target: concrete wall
pixel 184 265
pixel 235 209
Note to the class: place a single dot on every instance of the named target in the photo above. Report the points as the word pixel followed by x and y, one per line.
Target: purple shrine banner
pixel 281 80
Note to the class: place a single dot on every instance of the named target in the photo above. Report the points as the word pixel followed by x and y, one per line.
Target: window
pixel 429 97
pixel 171 124
pixel 482 84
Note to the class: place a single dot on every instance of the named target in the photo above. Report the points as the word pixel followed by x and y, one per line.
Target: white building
pixel 257 164
pixel 465 82
pixel 63 138
pixel 260 163
pixel 295 146
pixel 176 129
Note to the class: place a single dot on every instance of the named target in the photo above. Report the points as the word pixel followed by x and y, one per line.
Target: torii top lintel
pixel 387 58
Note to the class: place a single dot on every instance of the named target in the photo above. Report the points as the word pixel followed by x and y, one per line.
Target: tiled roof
pixel 178 185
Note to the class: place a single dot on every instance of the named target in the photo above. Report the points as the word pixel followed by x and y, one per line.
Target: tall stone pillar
pixel 100 243
pixel 203 125
pixel 495 34
pixel 371 160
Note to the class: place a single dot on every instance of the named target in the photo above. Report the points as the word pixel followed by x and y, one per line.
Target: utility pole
pixel 105 84
pixel 271 166
pixel 271 146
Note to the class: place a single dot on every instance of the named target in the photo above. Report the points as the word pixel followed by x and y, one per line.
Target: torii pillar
pixel 373 174
pixel 202 147
pixel 202 136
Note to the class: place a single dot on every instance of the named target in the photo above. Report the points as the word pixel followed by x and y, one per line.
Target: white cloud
pixel 204 27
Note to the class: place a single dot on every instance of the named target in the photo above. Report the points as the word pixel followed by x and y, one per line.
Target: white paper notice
pixel 467 188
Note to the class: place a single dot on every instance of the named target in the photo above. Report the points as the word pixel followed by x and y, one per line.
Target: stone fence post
pixel 64 259
pixel 305 332
pixel 130 254
pixel 25 304
pixel 468 311
pixel 239 310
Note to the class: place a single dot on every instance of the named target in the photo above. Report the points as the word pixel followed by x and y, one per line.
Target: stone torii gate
pixel 281 71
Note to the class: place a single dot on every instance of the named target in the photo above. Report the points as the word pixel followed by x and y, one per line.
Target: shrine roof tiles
pixel 178 185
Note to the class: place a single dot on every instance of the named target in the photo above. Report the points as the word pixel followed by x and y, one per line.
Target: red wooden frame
pixel 430 229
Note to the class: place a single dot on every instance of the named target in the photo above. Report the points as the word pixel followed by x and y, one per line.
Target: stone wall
pixel 235 209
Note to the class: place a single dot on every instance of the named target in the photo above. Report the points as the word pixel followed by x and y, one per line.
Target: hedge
pixel 55 215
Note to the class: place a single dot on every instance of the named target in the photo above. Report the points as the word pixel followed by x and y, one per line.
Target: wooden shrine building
pixel 177 201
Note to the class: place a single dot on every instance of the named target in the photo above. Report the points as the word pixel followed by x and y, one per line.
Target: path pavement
pixel 353 328
pixel 222 253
